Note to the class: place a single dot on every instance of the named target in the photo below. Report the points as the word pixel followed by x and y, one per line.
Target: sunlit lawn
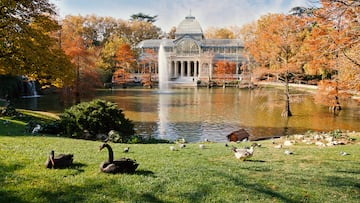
pixel 312 174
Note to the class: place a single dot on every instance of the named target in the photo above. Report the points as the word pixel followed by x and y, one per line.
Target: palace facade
pixel 192 57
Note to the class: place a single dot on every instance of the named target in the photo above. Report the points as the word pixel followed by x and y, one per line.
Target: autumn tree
pixel 331 49
pixel 125 58
pixel 79 47
pixel 107 60
pixel 104 35
pixel 219 33
pixel 171 33
pixel 275 45
pixel 224 68
pixel 140 30
pixel 29 44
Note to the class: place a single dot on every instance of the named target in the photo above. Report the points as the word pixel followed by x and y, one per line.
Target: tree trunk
pixel 77 84
pixel 335 109
pixel 287 112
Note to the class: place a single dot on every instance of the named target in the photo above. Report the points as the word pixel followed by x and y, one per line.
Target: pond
pixel 196 114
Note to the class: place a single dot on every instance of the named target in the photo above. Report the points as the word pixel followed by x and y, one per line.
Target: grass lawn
pixel 191 174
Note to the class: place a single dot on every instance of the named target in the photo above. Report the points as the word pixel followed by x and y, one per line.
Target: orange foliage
pixel 333 41
pixel 330 93
pixel 125 56
pixel 223 68
pixel 276 42
pixel 83 58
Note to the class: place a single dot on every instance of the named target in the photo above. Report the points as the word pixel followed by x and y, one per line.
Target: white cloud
pixel 209 13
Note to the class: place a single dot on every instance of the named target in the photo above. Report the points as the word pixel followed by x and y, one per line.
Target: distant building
pixel 192 57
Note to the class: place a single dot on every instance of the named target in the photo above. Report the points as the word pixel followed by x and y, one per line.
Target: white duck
pixel 243 154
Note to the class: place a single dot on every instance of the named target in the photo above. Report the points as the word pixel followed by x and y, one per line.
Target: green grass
pixel 191 174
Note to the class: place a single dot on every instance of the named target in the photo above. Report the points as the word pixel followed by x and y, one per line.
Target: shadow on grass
pixel 77 167
pixel 67 193
pixel 148 197
pixel 144 173
pixel 258 188
pixel 5 174
pixel 251 160
pixel 351 171
pixel 344 182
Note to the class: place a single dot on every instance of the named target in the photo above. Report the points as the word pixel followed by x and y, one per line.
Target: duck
pixel 59 161
pixel 243 154
pixel 122 165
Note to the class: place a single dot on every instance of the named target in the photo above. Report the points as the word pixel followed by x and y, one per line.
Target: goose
pixel 243 154
pixel 126 149
pixel 288 152
pixel 59 161
pixel 122 165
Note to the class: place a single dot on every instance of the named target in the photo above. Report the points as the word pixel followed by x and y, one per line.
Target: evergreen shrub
pixel 87 119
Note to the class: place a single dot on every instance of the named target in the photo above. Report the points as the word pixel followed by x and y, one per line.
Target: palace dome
pixel 189 26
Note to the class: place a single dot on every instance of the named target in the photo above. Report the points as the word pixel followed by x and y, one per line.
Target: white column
pixel 188 68
pixel 175 69
pixel 182 68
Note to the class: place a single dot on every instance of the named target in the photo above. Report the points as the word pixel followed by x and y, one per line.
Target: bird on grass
pixel 343 153
pixel 243 154
pixel 59 161
pixel 122 165
pixel 278 146
pixel 288 152
pixel 126 149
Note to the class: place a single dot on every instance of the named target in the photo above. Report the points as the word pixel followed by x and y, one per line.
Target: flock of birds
pixel 127 165
pixel 240 153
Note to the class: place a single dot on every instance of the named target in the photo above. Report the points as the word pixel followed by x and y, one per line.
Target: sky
pixel 209 13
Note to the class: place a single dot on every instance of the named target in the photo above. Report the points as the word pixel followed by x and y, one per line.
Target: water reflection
pixel 163 116
pixel 198 114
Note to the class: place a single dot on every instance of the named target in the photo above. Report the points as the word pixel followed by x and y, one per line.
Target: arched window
pixel 187 47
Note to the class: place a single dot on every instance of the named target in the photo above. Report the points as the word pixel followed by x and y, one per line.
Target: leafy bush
pixel 114 136
pixel 96 117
